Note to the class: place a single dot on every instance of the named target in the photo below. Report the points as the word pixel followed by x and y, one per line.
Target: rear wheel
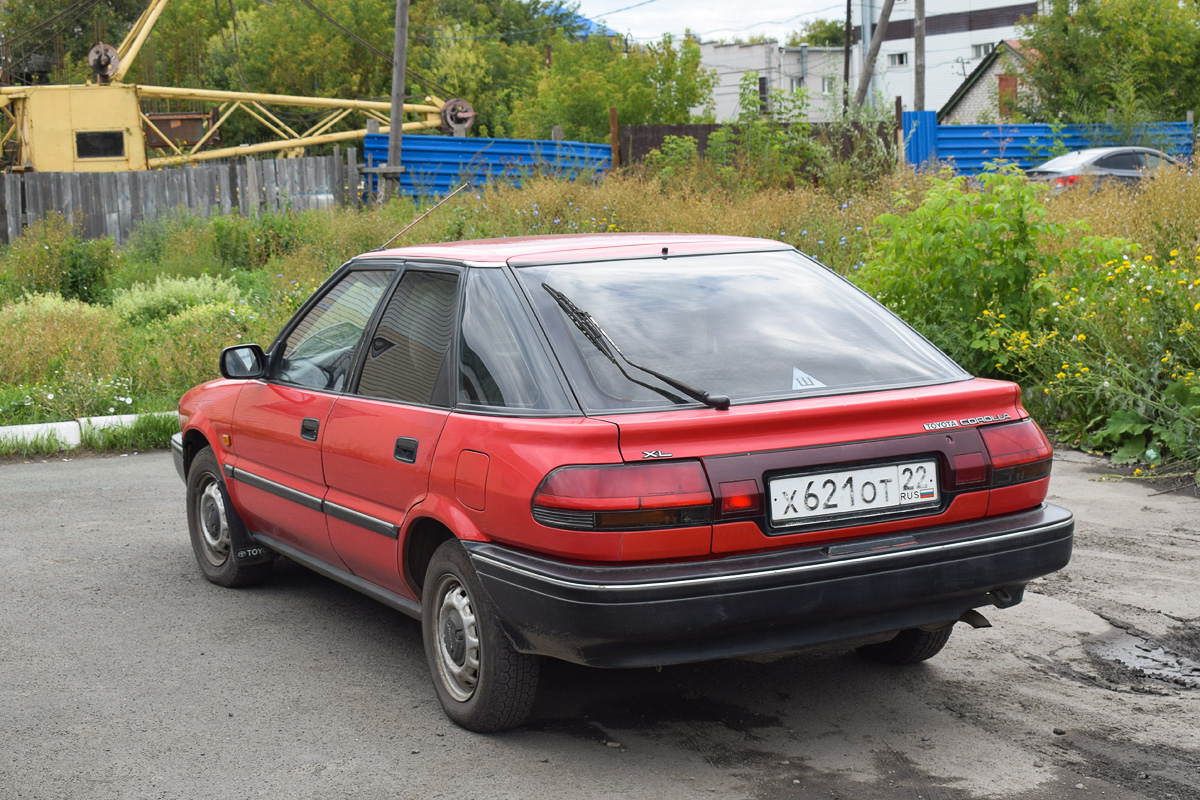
pixel 908 646
pixel 211 523
pixel 482 682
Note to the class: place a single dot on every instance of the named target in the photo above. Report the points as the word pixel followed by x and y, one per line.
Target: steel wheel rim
pixel 214 524
pixel 456 639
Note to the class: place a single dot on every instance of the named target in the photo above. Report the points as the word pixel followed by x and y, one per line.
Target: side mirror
pixel 243 361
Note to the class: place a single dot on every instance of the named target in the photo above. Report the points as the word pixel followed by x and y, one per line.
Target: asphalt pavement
pixel 123 674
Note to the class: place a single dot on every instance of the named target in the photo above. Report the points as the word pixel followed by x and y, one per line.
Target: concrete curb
pixel 70 434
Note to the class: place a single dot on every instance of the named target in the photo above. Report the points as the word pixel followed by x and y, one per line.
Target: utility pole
pixel 846 63
pixel 919 55
pixel 864 80
pixel 391 177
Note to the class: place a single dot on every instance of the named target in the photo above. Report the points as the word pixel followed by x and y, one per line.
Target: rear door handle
pixel 406 450
pixel 308 429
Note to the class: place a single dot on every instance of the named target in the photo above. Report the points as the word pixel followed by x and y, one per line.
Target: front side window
pixel 319 352
pixel 406 357
pixel 751 326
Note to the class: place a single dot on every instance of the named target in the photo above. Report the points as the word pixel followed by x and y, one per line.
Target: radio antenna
pixel 423 216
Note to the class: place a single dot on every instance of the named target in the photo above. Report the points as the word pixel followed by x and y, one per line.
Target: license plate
pixel 853 492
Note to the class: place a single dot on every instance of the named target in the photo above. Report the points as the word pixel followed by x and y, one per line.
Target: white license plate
pixel 853 492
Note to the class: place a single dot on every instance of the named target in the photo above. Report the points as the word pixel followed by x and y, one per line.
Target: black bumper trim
pixel 640 615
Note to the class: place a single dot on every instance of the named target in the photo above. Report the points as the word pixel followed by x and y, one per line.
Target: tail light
pixel 615 497
pixel 1065 180
pixel 1019 452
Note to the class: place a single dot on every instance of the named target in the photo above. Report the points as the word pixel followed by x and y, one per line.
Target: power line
pixel 416 77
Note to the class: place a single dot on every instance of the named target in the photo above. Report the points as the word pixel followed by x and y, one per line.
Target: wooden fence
pixel 113 203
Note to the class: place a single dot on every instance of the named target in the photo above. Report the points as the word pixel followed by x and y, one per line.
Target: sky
pixel 648 20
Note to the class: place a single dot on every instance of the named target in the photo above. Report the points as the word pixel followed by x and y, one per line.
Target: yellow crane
pixel 100 126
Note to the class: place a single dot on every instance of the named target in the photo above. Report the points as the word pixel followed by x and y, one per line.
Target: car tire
pixel 908 646
pixel 483 683
pixel 212 522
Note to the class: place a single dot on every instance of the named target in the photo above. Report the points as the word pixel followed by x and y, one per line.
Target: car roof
pixel 576 247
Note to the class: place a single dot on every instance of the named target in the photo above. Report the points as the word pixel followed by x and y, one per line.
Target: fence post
pixel 352 176
pixel 899 133
pixel 251 189
pixel 613 138
pixel 1191 121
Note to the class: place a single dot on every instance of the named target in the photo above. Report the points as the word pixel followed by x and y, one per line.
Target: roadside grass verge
pixel 44 444
pixel 148 432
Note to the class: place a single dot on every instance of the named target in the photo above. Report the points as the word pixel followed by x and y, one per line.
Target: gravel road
pixel 123 674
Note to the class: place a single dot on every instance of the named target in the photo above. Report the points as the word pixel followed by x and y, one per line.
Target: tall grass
pixel 184 287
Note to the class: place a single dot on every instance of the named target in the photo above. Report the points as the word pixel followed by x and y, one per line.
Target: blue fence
pixel 433 165
pixel 970 147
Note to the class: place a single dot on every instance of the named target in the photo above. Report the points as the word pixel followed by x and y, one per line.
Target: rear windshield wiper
pixel 607 347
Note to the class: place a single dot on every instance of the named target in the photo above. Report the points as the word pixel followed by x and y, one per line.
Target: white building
pixel 958 35
pixel 817 69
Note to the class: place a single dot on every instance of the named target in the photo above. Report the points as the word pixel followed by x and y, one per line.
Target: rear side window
pixel 1120 161
pixel 753 326
pixel 406 357
pixel 502 364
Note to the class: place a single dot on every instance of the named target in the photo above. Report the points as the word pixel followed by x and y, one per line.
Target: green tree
pixel 1141 57
pixel 819 33
pixel 68 28
pixel 659 83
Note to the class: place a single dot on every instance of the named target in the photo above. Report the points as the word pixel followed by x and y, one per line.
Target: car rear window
pixel 752 326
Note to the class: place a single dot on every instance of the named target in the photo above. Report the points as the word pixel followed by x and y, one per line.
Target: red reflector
pixel 1015 443
pixel 969 469
pixel 625 487
pixel 739 497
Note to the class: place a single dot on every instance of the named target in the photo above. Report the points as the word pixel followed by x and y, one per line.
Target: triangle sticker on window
pixel 802 380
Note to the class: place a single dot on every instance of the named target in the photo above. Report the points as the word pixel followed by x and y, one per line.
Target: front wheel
pixel 908 646
pixel 211 522
pixel 482 682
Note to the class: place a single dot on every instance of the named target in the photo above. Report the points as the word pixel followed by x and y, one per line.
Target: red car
pixel 621 451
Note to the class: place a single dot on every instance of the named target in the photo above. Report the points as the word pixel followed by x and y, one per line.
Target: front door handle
pixel 406 450
pixel 308 429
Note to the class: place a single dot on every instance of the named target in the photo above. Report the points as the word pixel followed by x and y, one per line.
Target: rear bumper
pixel 642 615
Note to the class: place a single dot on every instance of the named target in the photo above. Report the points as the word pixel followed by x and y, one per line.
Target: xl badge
pixel 655 454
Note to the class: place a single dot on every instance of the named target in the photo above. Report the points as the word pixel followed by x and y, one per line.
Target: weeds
pixel 1099 327
pixel 44 444
pixel 147 432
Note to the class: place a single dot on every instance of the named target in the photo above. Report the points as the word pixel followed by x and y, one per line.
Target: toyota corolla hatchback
pixel 621 451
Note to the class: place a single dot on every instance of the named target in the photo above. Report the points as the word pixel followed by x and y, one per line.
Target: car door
pixel 279 422
pixel 379 440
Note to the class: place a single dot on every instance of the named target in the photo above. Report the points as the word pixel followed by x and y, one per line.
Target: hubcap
pixel 456 649
pixel 214 524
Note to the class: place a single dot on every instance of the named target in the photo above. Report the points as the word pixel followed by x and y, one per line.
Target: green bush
pixel 971 250
pixel 51 258
pixel 142 303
